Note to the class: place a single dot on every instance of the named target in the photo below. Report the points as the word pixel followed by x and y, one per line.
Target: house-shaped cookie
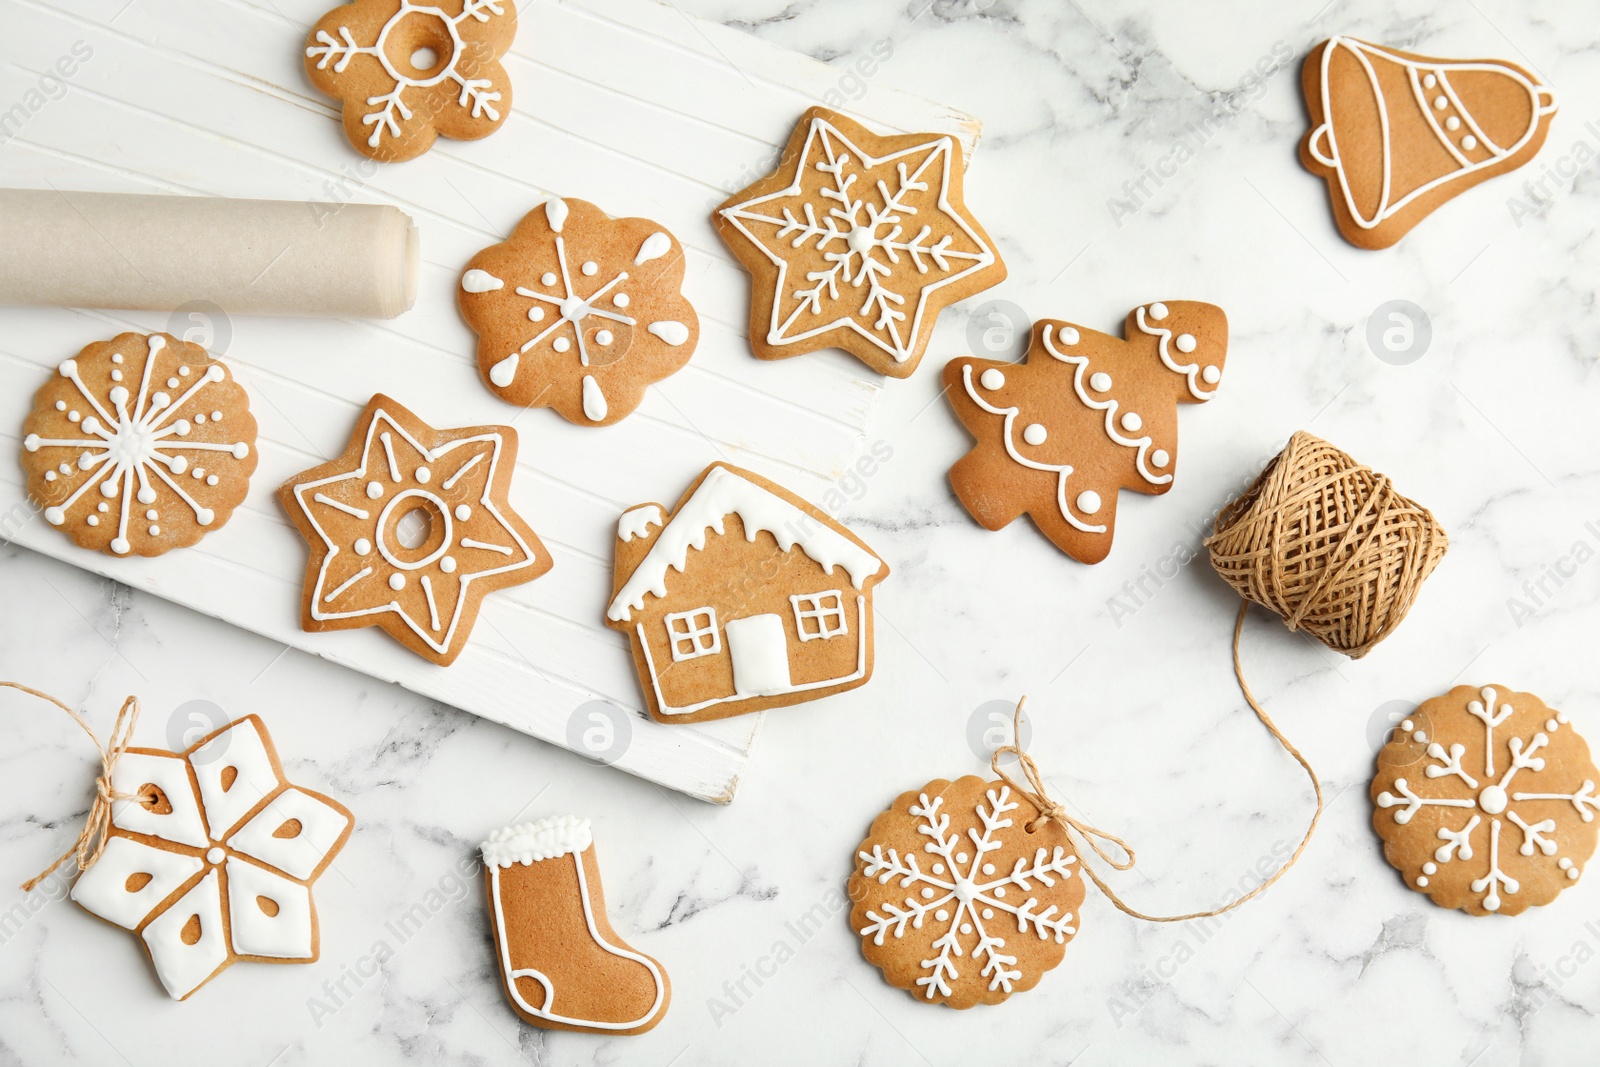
pixel 745 598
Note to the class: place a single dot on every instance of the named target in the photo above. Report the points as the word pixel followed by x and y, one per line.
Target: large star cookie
pixel 1397 135
pixel 410 529
pixel 857 241
pixel 1085 414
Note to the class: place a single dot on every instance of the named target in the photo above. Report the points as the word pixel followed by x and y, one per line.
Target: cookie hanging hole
pixel 136 881
pixel 154 800
pixel 414 528
pixel 419 46
pixel 230 775
pixel 290 828
pixel 268 906
pixel 191 931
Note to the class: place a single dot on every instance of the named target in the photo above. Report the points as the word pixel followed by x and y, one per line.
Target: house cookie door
pixel 760 653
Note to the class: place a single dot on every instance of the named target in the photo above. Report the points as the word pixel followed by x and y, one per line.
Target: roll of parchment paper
pixel 268 257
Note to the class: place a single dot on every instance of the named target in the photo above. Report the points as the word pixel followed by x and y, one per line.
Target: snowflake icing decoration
pixel 961 894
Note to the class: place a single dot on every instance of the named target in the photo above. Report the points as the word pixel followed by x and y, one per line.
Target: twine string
pixel 92 839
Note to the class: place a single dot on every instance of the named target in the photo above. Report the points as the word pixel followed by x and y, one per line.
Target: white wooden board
pixel 627 103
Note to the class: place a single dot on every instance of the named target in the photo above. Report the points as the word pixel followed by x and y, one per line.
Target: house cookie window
pixel 819 615
pixel 693 633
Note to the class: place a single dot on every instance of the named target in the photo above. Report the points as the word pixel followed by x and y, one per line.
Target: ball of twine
pixel 1327 544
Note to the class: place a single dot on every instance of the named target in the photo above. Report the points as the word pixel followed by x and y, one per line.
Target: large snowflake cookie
pixel 1084 415
pixel 579 311
pixel 409 71
pixel 139 445
pixel 1485 800
pixel 214 862
pixel 744 597
pixel 957 901
pixel 410 529
pixel 562 964
pixel 1397 135
pixel 857 241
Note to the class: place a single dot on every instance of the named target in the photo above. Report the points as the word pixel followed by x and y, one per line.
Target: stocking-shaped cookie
pixel 1084 415
pixel 563 966
pixel 1396 135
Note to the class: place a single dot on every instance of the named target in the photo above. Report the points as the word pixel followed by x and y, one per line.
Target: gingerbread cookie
pixel 215 862
pixel 775 609
pixel 139 445
pixel 410 529
pixel 562 965
pixel 579 311
pixel 1485 800
pixel 408 71
pixel 1396 135
pixel 956 901
pixel 857 241
pixel 1085 414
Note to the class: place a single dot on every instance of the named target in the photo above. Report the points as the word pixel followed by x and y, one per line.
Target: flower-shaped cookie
pixel 410 529
pixel 409 71
pixel 579 311
pixel 139 445
pixel 857 241
pixel 1485 800
pixel 956 901
pixel 215 863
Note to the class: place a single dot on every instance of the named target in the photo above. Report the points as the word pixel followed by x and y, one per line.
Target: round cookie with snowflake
pixel 957 901
pixel 139 445
pixel 1485 800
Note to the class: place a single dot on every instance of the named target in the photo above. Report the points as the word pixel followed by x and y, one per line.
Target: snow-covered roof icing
pixel 724 492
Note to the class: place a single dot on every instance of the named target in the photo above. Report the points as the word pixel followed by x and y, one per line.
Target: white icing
pixel 571 308
pixel 184 968
pixel 759 651
pixel 1089 502
pixel 183 824
pixel 1324 146
pixel 555 212
pixel 655 246
pixel 594 401
pixel 480 281
pixel 992 379
pixel 724 492
pixel 636 522
pixel 103 888
pixel 288 935
pixel 872 264
pixel 1141 445
pixel 1189 370
pixel 504 372
pixel 321 826
pixel 1185 343
pixel 238 749
pixel 1035 434
pixel 532 842
pixel 674 333
pixel 1158 458
pixel 1100 381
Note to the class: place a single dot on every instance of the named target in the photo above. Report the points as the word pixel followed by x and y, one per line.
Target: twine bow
pixel 92 840
pixel 1082 833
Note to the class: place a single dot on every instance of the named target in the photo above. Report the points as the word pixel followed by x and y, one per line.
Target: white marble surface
pixel 1338 964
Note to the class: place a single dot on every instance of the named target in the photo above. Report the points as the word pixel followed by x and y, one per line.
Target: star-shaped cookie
pixel 857 241
pixel 410 529
pixel 1084 415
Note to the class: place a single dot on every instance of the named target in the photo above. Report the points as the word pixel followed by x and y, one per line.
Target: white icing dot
pixel 1429 81
pixel 549 278
pixel 961 857
pixel 1407 725
pixel 1068 335
pixel 1000 891
pixel 535 314
pixel 1158 311
pixel 463 512
pixel 1131 421
pixel 988 913
pixel 1551 725
pixel 61 405
pixel 1159 458
pixel 1419 736
pixel 591 268
pixel 49 476
pixel 119 395
pixel 561 344
pixel 966 928
pixel 1572 873
pixel 240 450
pixel 93 520
pixel 181 427
pixel 146 495
pixel 448 564
pixel 988 868
pixel 212 479
pixel 1422 881
pixel 938 868
pixel 992 379
pixel 361 547
pixel 397 582
pixel 116 357
pixel 927 894
pixel 1212 375
pixel 151 515
pixel 120 545
pixel 216 416
pixel 200 419
pixel 1100 381
pixel 184 371
pixel 1469 142
pixel 1430 867
pixel 603 337
pixel 1185 342
pixel 1088 501
pixel 1564 863
pixel 941 915
pixel 423 474
pixel 198 473
pixel 116 376
pixel 55 516
pixel 620 300
pixel 215 855
pixel 1035 434
pixel 155 531
pixel 374 490
pixel 65 468
pixel 103 507
pixel 1452 123
pixel 173 383
pixel 73 416
pixel 1440 102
